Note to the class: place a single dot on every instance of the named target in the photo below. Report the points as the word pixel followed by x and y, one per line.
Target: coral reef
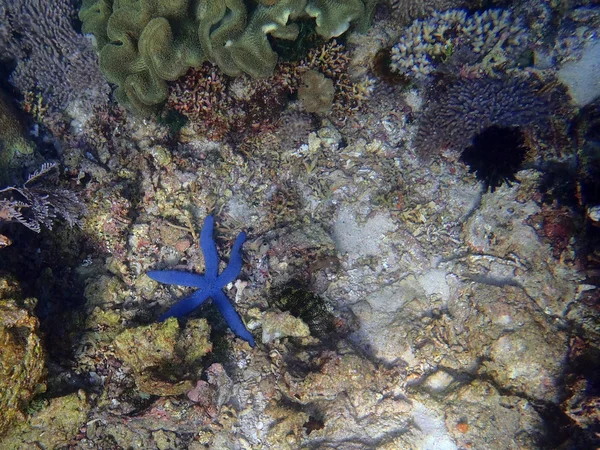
pixel 399 305
pixel 488 42
pixel 52 58
pixel 22 359
pixel 467 107
pixel 495 156
pixel 142 46
pixel 12 136
pixel 316 92
pixel 218 106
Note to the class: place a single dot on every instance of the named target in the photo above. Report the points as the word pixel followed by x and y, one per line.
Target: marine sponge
pixel 467 107
pixel 493 38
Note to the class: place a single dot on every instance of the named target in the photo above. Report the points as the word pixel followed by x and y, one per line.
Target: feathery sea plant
pixel 34 206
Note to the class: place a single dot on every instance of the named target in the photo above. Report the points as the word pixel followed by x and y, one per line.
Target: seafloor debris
pixel 22 356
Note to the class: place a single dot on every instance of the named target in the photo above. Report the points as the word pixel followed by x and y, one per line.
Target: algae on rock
pixel 163 358
pixel 22 366
pixel 51 427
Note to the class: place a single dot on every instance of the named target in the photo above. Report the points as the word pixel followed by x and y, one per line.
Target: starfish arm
pixel 186 306
pixel 178 277
pixel 231 316
pixel 233 269
pixel 209 248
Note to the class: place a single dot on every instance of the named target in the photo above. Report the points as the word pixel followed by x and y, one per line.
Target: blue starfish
pixel 210 284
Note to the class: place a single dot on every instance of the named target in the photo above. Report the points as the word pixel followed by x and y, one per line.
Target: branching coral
pixel 408 10
pixel 492 39
pixel 218 105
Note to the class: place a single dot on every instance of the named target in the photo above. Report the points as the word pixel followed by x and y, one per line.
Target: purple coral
pixel 52 58
pixel 467 107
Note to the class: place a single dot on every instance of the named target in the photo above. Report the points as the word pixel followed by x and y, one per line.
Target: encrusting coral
pixel 144 44
pixel 12 136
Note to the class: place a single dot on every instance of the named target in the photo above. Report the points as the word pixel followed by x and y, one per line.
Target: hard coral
pixel 467 107
pixel 217 105
pixel 407 10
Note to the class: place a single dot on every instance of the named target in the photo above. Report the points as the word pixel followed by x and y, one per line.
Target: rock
pixel 162 357
pixel 22 357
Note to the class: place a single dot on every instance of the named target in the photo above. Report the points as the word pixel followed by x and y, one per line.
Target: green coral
pixel 221 22
pixel 145 43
